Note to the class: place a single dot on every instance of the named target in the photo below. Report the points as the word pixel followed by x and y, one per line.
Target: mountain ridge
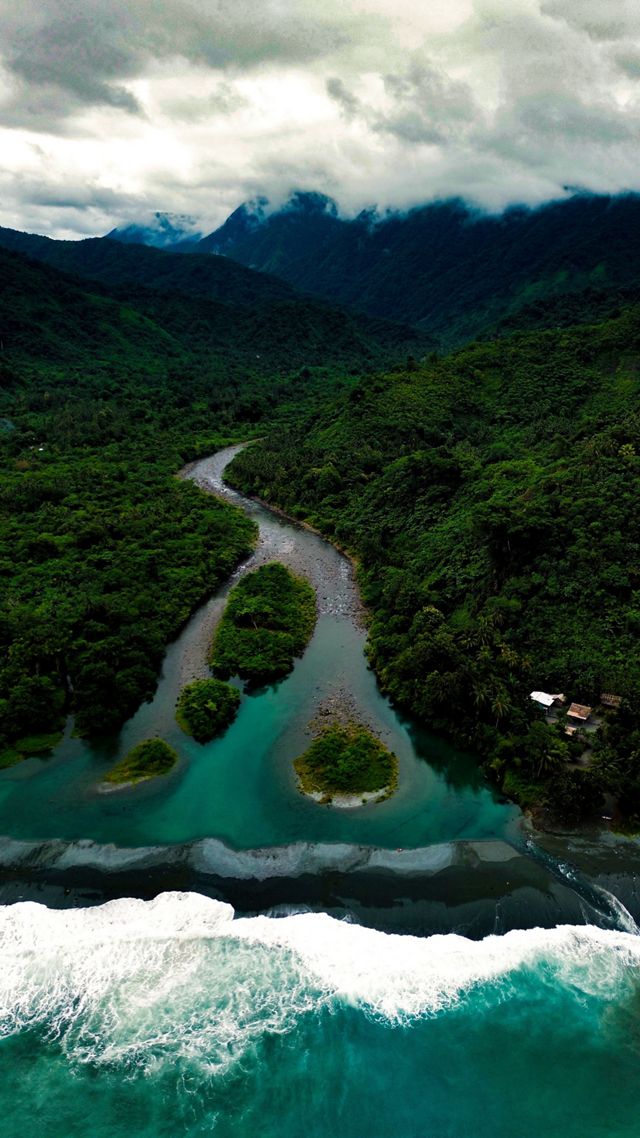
pixel 446 267
pixel 449 268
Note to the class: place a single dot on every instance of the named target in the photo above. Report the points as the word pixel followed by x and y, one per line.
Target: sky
pixel 112 109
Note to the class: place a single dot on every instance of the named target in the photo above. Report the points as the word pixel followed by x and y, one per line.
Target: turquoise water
pixel 241 788
pixel 170 1018
pixel 173 1018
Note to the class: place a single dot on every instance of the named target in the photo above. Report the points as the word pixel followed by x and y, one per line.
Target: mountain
pixel 80 334
pixel 115 264
pixel 453 271
pixel 161 231
pixel 244 221
pixel 268 241
pixel 267 319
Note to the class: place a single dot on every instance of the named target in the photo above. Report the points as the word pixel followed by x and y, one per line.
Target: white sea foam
pixel 178 978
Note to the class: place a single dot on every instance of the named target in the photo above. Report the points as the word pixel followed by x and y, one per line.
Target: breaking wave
pixel 178 979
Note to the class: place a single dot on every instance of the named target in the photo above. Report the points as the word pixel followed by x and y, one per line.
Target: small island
pixel 206 708
pixel 149 759
pixel 268 621
pixel 347 766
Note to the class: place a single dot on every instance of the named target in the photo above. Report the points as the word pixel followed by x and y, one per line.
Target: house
pixel 607 699
pixel 543 699
pixel 579 712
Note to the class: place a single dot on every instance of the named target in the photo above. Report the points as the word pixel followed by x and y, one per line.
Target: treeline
pixel 491 498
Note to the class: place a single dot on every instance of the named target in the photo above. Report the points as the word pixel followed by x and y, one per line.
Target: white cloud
pixel 112 108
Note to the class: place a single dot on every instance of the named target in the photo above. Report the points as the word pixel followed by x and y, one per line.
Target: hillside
pixel 116 264
pixel 451 270
pixel 202 348
pixel 104 394
pixel 492 501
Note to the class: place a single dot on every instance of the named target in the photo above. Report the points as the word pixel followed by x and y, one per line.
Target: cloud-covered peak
pixel 161 230
pixel 114 109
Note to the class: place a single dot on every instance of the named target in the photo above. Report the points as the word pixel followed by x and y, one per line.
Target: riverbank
pixel 208 475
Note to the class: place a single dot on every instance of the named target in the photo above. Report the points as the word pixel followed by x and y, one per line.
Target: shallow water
pixel 241 788
pixel 170 1018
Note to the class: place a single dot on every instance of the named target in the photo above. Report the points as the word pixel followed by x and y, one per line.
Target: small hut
pixel 580 712
pixel 608 699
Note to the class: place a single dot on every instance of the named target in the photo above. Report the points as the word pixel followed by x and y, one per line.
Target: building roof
pixel 542 697
pixel 607 699
pixel 545 698
pixel 579 711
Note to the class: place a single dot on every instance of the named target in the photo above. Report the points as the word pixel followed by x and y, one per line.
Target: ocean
pixel 175 1017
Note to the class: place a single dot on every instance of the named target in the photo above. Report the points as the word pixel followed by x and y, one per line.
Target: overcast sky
pixel 110 109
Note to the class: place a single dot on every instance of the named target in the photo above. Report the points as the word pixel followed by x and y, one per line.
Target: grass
pixel 206 708
pixel 268 621
pixel 28 747
pixel 347 760
pixel 148 759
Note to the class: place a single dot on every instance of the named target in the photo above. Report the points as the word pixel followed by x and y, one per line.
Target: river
pixel 134 1000
pixel 445 852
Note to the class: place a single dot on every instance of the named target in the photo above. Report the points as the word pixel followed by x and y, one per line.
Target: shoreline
pixel 327 871
pixel 471 888
pixel 347 801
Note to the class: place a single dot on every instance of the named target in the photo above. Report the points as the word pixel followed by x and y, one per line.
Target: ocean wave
pixel 138 983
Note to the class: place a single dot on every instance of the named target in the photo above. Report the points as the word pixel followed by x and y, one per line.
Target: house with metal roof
pixel 580 712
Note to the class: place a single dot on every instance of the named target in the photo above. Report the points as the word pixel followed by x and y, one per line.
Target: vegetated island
pixel 347 766
pixel 268 621
pixel 206 708
pixel 149 759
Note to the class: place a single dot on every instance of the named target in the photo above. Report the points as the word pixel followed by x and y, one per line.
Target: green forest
pixel 489 496
pixel 104 395
pixel 491 500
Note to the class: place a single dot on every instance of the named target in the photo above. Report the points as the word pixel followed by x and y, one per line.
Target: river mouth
pixel 241 789
pixel 232 807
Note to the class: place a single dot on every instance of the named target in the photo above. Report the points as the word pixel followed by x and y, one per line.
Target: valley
pixel 320 569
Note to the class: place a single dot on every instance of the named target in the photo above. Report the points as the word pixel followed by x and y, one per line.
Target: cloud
pixel 111 109
pixel 628 60
pixel 426 105
pixel 605 21
pixel 89 50
pixel 350 106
